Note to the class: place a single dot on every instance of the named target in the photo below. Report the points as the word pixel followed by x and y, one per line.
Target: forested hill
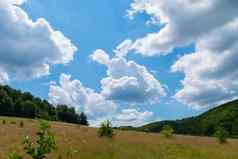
pixel 24 104
pixel 225 116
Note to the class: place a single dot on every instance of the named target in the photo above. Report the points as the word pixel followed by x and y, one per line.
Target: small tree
pixel 221 134
pixel 45 143
pixel 105 129
pixel 167 131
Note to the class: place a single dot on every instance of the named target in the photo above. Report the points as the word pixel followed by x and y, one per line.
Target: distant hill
pixel 225 116
pixel 23 104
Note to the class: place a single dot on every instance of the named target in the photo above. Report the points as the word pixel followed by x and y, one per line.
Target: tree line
pixel 24 104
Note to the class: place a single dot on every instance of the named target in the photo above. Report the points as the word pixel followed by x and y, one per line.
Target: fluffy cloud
pixel 131 116
pixel 185 21
pixel 28 48
pixel 3 77
pixel 211 72
pixel 123 48
pixel 128 81
pixel 73 93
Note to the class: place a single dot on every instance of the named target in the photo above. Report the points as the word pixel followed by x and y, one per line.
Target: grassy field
pixel 124 145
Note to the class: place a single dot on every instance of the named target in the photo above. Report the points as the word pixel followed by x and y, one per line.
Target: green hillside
pixel 225 116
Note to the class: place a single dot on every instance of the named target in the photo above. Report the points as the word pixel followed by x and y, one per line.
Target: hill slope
pixel 124 145
pixel 225 116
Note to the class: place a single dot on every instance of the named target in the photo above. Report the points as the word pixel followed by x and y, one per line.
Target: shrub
pixel 4 121
pixel 14 155
pixel 167 131
pixel 44 145
pixel 221 134
pixel 21 124
pixel 105 129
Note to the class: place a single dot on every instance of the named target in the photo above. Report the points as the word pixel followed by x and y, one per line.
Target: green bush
pixel 105 129
pixel 167 131
pixel 221 134
pixel 45 143
pixel 21 124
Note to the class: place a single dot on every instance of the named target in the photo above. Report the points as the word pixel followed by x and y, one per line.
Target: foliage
pixel 167 131
pixel 105 129
pixel 14 155
pixel 23 104
pixel 221 134
pixel 44 145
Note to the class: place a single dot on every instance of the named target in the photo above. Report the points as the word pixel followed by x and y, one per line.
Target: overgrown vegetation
pixel 221 134
pixel 105 129
pixel 23 104
pixel 167 131
pixel 44 145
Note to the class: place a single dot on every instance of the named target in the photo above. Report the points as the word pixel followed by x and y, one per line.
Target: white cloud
pixel 185 22
pixel 73 93
pixel 123 48
pixel 101 57
pixel 132 117
pixel 211 72
pixel 28 48
pixel 128 81
pixel 4 79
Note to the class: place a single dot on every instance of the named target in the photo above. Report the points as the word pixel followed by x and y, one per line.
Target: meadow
pixel 79 142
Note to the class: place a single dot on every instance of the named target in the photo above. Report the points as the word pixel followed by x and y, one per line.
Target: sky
pixel 129 61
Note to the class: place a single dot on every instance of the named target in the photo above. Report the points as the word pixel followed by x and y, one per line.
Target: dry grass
pixel 124 145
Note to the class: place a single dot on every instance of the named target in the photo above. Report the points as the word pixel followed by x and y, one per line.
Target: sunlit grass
pixel 124 145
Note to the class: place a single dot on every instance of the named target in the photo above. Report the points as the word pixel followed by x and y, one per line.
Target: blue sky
pixel 92 25
pixel 102 24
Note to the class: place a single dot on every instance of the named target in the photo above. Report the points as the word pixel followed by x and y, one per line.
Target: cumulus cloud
pixel 128 81
pixel 184 21
pixel 28 48
pixel 3 77
pixel 123 48
pixel 132 117
pixel 101 57
pixel 73 93
pixel 211 72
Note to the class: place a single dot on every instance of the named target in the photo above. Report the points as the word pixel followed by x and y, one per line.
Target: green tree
pixel 105 129
pixel 221 134
pixel 167 131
